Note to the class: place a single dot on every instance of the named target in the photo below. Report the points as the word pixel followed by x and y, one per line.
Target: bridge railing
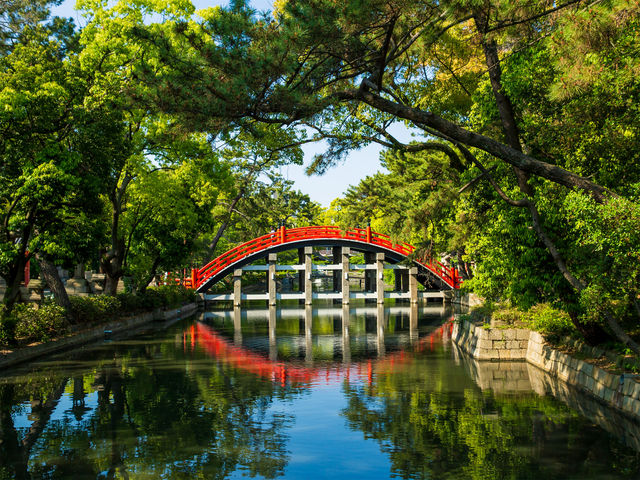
pixel 282 236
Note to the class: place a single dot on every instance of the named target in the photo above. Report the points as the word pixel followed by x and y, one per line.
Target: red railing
pixel 284 236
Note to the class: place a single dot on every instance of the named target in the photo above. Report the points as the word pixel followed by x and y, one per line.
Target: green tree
pixel 347 71
pixel 54 150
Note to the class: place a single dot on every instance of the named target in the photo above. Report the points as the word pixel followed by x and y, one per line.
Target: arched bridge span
pixel 363 239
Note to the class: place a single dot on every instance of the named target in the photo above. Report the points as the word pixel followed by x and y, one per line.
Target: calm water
pixel 300 394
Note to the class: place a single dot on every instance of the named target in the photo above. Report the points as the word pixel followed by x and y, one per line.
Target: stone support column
pixel 237 287
pixel 413 284
pixel 271 278
pixel 380 277
pixel 308 269
pixel 346 266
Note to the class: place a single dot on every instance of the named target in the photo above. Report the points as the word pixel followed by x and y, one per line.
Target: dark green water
pixel 295 394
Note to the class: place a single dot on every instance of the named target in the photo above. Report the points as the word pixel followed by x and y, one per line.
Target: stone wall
pixel 622 391
pixel 497 344
pixel 491 344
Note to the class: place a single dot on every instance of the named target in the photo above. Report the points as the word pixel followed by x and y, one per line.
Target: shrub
pixel 507 316
pixel 131 302
pixel 548 320
pixel 40 324
pixel 482 312
pixel 171 296
pixel 7 327
pixel 96 309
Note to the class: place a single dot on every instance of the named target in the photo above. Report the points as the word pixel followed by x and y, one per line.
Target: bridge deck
pixel 225 297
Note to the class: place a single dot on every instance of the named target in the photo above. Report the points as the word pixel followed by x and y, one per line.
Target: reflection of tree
pixel 431 432
pixel 149 411
pixel 14 451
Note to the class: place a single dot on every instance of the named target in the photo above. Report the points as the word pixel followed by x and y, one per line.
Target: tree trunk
pixel 111 284
pixel 14 279
pixel 50 274
pixel 510 128
pixel 149 278
pixel 498 149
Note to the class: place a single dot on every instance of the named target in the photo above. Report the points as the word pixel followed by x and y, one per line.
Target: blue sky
pixel 322 189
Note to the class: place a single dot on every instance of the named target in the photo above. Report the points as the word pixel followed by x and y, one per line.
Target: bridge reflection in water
pixel 308 344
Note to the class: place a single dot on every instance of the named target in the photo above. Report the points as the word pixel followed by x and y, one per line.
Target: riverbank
pixel 618 391
pixel 88 335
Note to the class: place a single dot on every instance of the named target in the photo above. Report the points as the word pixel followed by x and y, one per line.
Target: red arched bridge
pixel 363 239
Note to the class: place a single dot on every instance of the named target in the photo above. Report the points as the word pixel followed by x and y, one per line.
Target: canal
pixel 301 393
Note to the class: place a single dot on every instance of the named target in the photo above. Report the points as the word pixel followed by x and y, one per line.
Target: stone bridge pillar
pixel 380 277
pixel 346 266
pixel 237 287
pixel 308 269
pixel 271 278
pixel 413 284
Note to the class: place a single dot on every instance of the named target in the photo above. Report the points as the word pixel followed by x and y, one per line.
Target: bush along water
pixel 543 318
pixel 29 323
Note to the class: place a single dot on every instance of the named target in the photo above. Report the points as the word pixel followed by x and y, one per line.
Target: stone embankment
pixel 101 331
pixel 497 344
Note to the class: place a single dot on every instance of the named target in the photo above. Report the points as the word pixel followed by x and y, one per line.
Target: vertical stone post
pixel 308 269
pixel 380 277
pixel 237 287
pixel 273 346
pixel 346 267
pixel 271 278
pixel 413 284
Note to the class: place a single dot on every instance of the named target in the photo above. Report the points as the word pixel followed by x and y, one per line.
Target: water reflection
pixel 330 333
pixel 302 392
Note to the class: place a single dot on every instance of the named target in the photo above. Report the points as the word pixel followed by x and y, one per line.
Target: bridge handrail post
pixel 368 230
pixel 283 234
